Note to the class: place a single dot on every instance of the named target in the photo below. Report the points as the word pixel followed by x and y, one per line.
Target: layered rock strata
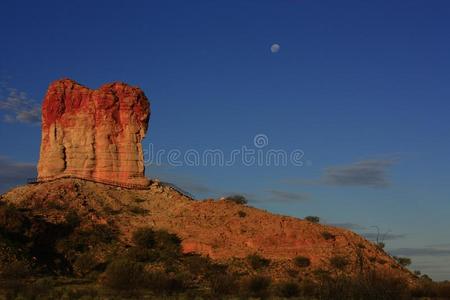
pixel 94 134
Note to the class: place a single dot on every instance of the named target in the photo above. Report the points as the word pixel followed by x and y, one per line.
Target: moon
pixel 275 48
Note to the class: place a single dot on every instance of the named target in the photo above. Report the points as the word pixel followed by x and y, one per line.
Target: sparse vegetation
pixel 257 286
pixel 302 261
pixel 242 214
pixel 327 235
pixel 138 210
pixel 288 289
pixel 238 199
pixel 312 219
pixel 144 238
pixel 403 261
pixel 257 262
pixel 339 262
pixel 124 275
pixel 153 266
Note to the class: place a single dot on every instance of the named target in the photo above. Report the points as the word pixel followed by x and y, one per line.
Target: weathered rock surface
pixel 93 134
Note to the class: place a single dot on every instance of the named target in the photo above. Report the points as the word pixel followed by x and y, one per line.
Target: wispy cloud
pixel 288 196
pixel 351 226
pixel 425 251
pixel 14 173
pixel 364 173
pixel 371 173
pixel 18 107
pixel 383 236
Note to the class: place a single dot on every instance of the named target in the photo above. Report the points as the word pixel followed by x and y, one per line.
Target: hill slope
pixel 222 230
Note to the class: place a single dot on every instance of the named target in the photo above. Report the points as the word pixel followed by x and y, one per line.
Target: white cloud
pixel 18 107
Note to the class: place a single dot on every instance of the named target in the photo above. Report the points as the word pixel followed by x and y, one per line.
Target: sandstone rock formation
pixel 93 134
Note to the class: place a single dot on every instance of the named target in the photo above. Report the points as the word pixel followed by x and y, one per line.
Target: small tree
pixel 238 199
pixel 403 261
pixel 258 262
pixel 144 237
pixel 312 219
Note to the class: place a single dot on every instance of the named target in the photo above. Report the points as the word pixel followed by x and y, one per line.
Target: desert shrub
pixel 124 274
pixel 167 243
pixel 242 214
pixel 380 245
pixel 84 264
pixel 288 289
pixel 312 219
pixel 339 262
pixel 15 270
pixel 138 210
pixel 321 274
pixel 72 219
pixel 403 261
pixel 176 284
pixel 144 237
pixel 102 233
pixel 369 286
pixel 197 264
pixel 139 254
pixel 139 200
pixel 238 199
pixel 257 286
pixel 292 272
pixel 12 222
pixel 80 240
pixel 223 284
pixel 257 262
pixel 302 261
pixel 328 235
pixel 40 289
pixel 160 282
pixel 54 205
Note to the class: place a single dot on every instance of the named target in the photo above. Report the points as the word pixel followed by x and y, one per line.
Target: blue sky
pixel 361 87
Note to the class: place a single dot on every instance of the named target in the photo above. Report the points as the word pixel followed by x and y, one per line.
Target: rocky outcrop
pixel 93 134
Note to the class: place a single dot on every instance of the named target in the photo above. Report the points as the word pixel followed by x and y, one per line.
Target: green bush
pixel 339 262
pixel 257 262
pixel 403 261
pixel 167 242
pixel 139 254
pixel 327 235
pixel 257 286
pixel 288 289
pixel 163 283
pixel 238 199
pixel 302 261
pixel 138 210
pixel 124 274
pixel 84 264
pixel 144 238
pixel 223 284
pixel 312 219
pixel 15 270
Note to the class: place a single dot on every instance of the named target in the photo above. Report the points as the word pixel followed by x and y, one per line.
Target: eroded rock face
pixel 93 134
